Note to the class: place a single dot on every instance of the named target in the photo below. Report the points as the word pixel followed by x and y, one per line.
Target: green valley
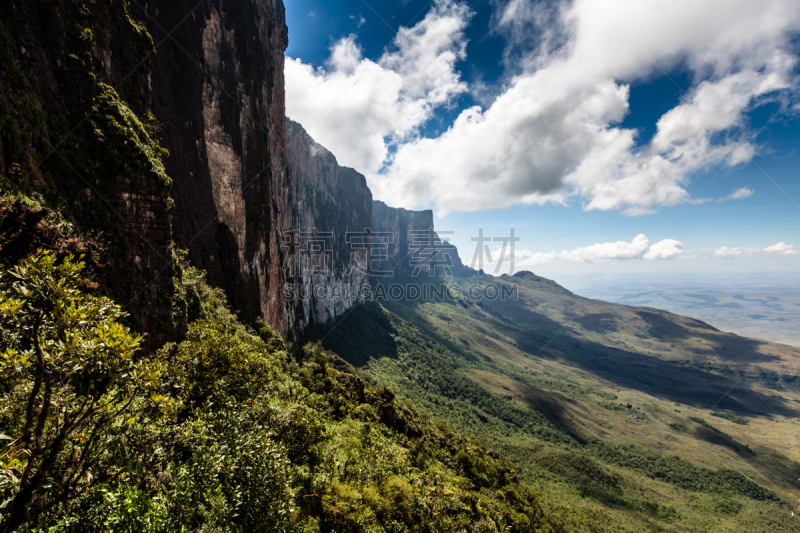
pixel 622 418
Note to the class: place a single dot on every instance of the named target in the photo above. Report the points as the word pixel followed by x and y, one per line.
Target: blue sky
pixel 582 125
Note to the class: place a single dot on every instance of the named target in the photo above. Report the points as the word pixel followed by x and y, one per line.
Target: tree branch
pixel 37 384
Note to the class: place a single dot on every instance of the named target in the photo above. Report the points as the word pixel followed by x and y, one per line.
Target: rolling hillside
pixel 623 418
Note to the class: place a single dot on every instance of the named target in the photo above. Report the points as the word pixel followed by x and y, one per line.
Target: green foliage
pixel 612 406
pixel 69 380
pixel 238 478
pixel 214 363
pixel 26 225
pixel 193 297
pixel 129 510
pixel 704 423
pixel 584 479
pixel 732 417
pixel 680 472
pixel 221 432
pixel 769 379
pixel 125 137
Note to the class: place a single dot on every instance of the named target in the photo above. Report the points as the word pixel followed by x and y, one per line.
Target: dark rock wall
pixel 218 90
pixel 400 223
pixel 76 130
pixel 89 100
pixel 327 202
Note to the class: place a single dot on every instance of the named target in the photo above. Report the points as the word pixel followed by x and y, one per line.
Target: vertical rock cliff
pixel 413 239
pixel 400 223
pixel 328 202
pixel 218 90
pixel 153 122
pixel 77 132
pixel 88 94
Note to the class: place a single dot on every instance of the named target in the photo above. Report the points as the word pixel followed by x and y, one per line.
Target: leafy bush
pixel 238 479
pixel 194 299
pixel 221 432
pixel 25 226
pixel 717 436
pixel 612 406
pixel 70 382
pixel 214 363
pixel 681 472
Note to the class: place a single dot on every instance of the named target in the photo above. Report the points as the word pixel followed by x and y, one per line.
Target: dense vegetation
pixel 224 431
pixel 435 370
pixel 717 436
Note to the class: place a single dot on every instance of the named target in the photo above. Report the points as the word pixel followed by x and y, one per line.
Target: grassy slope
pixel 542 379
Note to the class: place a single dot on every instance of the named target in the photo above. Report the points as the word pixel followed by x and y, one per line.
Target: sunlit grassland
pixel 548 381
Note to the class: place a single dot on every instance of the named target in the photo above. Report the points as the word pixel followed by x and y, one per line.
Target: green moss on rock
pixel 125 136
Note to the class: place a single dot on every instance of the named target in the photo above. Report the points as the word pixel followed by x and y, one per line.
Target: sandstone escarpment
pixel 76 131
pixel 412 234
pixel 92 101
pixel 400 223
pixel 218 90
pixel 328 203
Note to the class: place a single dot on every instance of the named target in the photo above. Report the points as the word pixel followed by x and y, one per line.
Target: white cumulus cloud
pixel 609 250
pixel 782 249
pixel 638 248
pixel 553 133
pixel 357 107
pixel 739 194
pixel 666 249
pixel 727 252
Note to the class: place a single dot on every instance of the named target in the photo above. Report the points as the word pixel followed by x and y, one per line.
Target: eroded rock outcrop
pixel 413 240
pixel 93 101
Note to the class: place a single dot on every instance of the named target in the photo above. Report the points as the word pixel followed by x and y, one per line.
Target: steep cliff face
pixel 327 272
pixel 400 223
pixel 218 90
pixel 76 130
pixel 92 102
pixel 413 241
pixel 328 202
pixel 86 93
